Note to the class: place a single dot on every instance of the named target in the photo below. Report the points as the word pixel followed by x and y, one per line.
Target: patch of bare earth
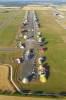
pixel 23 98
pixel 5 84
pixel 35 7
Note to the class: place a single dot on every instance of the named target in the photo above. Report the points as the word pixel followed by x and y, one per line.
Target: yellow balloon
pixel 43 78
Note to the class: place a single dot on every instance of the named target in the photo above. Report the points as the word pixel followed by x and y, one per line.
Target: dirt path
pixel 22 98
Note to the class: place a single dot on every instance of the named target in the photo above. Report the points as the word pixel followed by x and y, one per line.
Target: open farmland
pixel 10 20
pixel 63 20
pixel 10 23
pixel 4 74
pixel 56 53
pixel 54 33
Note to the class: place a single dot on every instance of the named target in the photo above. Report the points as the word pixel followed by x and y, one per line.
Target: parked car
pixel 25 22
pixel 25 36
pixel 40 40
pixel 41 59
pixel 21 45
pixel 29 54
pixel 20 60
pixel 24 30
pixel 25 81
pixel 39 33
pixel 43 78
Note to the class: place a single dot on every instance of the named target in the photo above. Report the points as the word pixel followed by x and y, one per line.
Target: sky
pixel 34 0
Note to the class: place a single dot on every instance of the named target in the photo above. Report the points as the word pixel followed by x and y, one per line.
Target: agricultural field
pixel 10 21
pixel 54 33
pixel 4 74
pixel 10 24
pixel 61 7
pixel 35 7
pixel 56 53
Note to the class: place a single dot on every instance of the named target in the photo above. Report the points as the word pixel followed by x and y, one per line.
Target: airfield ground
pixel 10 20
pixel 23 98
pixel 56 54
pixel 5 84
pixel 56 51
pixel 35 7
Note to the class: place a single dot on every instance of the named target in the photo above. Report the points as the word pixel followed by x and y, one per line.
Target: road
pixel 27 67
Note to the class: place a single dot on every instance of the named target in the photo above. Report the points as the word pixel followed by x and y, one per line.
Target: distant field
pixel 10 20
pixel 35 7
pixel 62 7
pixel 61 19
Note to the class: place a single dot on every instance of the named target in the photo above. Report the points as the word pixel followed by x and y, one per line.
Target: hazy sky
pixel 23 0
pixel 33 0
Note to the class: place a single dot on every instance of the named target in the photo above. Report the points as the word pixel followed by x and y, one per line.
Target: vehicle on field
pixel 25 22
pixel 41 60
pixel 24 30
pixel 43 78
pixel 25 37
pixel 21 45
pixel 25 81
pixel 29 54
pixel 20 60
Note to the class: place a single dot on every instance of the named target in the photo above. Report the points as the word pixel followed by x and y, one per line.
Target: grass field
pixel 56 53
pixel 35 7
pixel 10 20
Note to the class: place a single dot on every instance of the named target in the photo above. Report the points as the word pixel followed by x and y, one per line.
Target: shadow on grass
pixel 44 59
pixel 47 70
pixel 63 93
pixel 46 42
pixel 46 48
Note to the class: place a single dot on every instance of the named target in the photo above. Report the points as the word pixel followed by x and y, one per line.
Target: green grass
pixel 9 27
pixel 56 55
